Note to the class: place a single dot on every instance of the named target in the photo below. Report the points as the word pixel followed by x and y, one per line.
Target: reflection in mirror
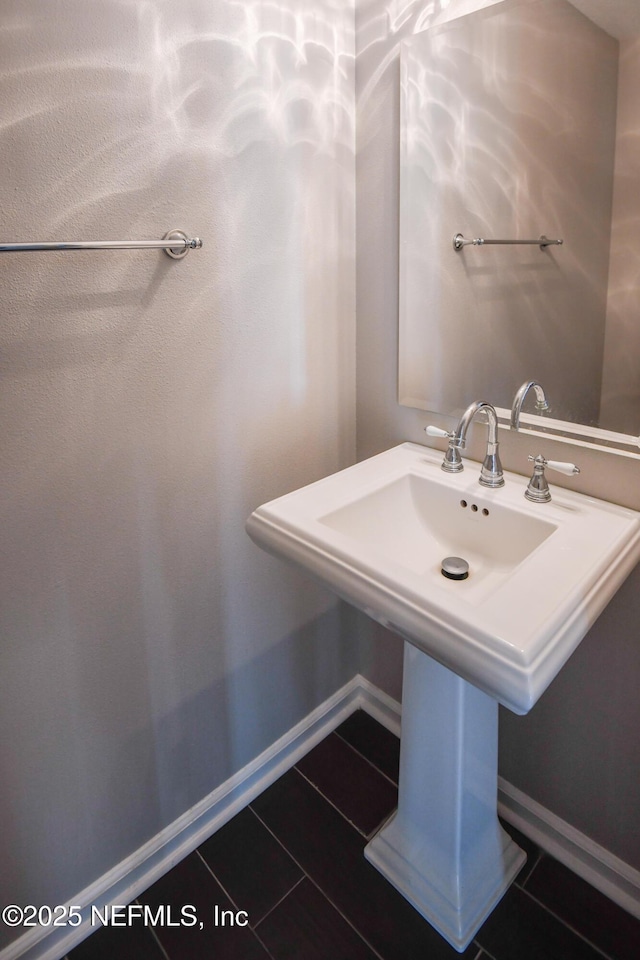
pixel 509 131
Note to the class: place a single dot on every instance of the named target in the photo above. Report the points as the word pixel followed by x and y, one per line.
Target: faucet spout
pixel 518 401
pixel 491 474
pixel 460 434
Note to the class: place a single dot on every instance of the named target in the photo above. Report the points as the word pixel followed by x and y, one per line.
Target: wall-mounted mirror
pixel 520 120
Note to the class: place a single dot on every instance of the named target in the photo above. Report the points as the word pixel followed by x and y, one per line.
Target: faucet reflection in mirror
pixel 500 110
pixel 542 406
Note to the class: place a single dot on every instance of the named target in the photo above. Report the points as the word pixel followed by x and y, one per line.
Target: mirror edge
pixel 574 433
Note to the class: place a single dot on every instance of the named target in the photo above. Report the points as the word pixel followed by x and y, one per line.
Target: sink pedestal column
pixel 444 848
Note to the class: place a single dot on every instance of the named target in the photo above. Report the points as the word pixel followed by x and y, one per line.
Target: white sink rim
pixel 510 643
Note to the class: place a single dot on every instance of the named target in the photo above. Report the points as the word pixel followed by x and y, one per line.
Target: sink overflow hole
pixel 474 508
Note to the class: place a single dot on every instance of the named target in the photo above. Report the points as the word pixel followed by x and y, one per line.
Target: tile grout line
pixel 528 869
pixel 156 938
pixel 364 835
pixel 564 923
pixel 263 945
pixel 483 953
pixel 367 760
pixel 319 888
pixel 282 899
pixel 235 905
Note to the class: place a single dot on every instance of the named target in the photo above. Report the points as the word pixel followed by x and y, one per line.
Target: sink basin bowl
pixel 539 574
pixel 416 521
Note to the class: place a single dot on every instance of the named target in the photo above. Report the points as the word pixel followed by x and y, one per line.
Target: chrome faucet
pixel 518 400
pixel 491 473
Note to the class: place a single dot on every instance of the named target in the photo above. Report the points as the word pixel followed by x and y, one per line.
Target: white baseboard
pixel 379 705
pixel 132 876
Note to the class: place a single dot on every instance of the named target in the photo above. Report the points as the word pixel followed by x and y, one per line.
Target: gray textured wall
pixel 148 649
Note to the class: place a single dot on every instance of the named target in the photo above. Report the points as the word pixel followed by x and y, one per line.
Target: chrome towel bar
pixel 459 242
pixel 175 243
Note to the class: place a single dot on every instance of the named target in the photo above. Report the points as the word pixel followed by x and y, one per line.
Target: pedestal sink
pixel 539 575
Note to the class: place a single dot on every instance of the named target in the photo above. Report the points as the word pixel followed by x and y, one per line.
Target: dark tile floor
pixel 286 879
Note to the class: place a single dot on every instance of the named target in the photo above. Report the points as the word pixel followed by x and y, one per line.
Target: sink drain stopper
pixel 455 568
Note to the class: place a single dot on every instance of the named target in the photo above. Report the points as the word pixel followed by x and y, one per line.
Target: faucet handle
pixel 432 431
pixel 452 462
pixel 538 489
pixel 561 466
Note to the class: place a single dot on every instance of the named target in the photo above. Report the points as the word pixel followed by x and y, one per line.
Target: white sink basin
pixel 539 574
pixel 418 520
